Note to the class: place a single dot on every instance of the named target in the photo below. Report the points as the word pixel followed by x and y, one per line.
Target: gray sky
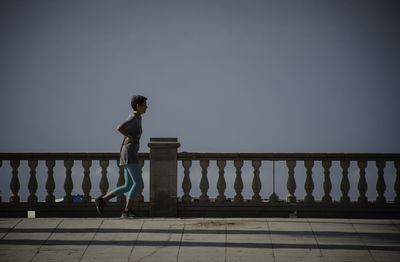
pixel 221 76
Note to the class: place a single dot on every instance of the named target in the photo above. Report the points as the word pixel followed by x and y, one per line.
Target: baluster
pixel 380 183
pixel 344 184
pixel 68 184
pixel 86 184
pixel 238 181
pixel 397 182
pixel 104 181
pixel 221 184
pixel 32 186
pixel 186 184
pixel 326 164
pixel 14 185
pixel 50 184
pixel 204 181
pixel 309 183
pixel 256 184
pixel 120 182
pixel 362 183
pixel 291 182
pixel 140 197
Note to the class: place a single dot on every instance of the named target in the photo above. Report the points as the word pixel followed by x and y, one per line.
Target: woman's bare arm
pixel 128 138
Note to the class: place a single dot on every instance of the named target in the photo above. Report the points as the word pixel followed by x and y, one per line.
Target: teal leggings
pixel 133 181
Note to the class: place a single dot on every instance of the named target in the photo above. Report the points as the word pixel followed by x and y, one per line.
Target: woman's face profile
pixel 141 108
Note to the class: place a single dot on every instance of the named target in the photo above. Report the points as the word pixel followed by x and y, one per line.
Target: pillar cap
pixel 163 139
pixel 165 142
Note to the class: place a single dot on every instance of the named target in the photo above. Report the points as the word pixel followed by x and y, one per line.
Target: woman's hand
pixel 127 140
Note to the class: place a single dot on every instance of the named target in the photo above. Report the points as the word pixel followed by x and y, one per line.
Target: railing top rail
pixel 289 156
pixel 62 156
pixel 210 156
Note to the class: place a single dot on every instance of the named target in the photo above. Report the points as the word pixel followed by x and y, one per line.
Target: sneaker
pixel 129 214
pixel 99 202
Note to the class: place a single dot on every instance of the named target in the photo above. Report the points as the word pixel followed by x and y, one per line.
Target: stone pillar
pixel 163 177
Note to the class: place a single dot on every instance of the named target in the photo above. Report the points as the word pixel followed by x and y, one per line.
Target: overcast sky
pixel 221 76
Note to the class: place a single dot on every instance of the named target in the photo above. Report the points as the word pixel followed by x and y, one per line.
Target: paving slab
pixel 339 255
pixel 330 225
pixel 248 240
pixel 159 240
pixel 7 224
pixel 24 240
pixel 378 235
pixel 203 240
pixel 306 256
pixel 385 256
pixel 69 240
pixel 291 236
pixel 114 240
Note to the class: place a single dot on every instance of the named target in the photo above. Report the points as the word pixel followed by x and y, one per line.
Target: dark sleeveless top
pixel 129 152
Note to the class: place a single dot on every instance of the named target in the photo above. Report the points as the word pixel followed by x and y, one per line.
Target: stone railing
pixel 69 207
pixel 308 206
pixel 163 189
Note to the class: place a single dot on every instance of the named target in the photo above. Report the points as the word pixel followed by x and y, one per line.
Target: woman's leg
pixel 108 196
pixel 135 173
pixel 121 189
pixel 100 202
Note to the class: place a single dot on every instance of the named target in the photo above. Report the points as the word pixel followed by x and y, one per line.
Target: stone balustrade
pixel 291 161
pixel 164 200
pixel 69 159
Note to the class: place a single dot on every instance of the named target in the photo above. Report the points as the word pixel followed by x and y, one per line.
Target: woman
pixel 132 130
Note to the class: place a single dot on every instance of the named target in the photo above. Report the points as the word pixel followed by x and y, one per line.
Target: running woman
pixel 131 129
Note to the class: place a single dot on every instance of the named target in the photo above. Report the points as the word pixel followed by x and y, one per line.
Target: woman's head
pixel 139 104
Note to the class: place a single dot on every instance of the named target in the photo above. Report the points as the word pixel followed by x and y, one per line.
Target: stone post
pixel 163 177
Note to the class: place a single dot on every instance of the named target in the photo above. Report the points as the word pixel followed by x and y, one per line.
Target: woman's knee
pixel 139 182
pixel 128 184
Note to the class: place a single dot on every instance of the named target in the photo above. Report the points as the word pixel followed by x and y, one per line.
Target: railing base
pixel 113 209
pixel 213 209
pixel 283 209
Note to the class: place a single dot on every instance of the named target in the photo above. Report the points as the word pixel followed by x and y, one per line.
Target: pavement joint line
pixel 94 235
pixel 180 242
pixel 272 244
pixel 137 236
pixel 44 242
pixel 11 228
pixel 316 240
pixel 226 241
pixel 158 248
pixel 369 251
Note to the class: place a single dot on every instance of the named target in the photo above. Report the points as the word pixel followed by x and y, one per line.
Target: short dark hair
pixel 137 100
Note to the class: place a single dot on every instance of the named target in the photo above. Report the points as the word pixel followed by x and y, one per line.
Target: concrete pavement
pixel 199 239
